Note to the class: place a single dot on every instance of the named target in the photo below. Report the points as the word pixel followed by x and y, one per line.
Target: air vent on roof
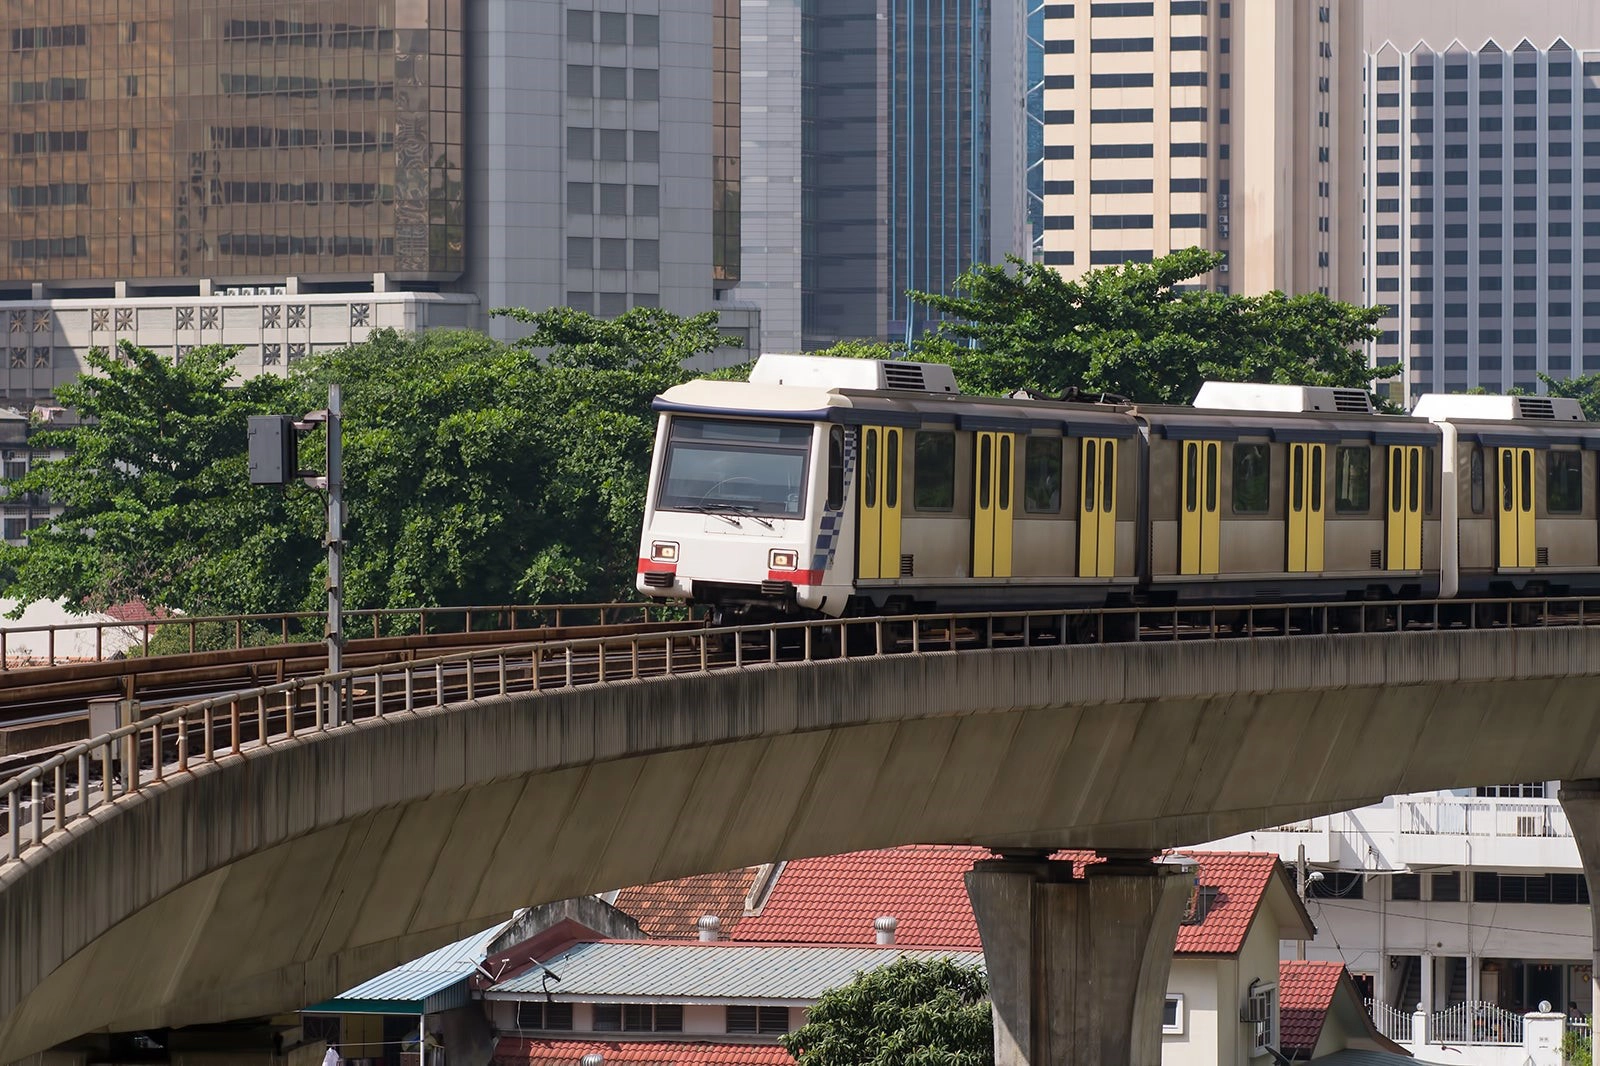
pixel 1352 401
pixel 1535 407
pixel 907 376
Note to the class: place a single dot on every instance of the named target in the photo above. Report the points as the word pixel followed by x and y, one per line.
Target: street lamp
pixel 275 460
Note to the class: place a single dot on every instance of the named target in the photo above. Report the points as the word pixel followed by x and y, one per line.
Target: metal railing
pixel 99 639
pixel 1486 817
pixel 50 796
pixel 1392 1023
pixel 1475 1023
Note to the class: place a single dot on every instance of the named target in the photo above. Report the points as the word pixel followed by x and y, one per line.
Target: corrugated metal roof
pixel 415 981
pixel 708 971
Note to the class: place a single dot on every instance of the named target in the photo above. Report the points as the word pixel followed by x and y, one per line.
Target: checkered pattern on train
pixel 828 533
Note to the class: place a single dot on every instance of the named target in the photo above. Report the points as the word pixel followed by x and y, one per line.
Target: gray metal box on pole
pixel 274 450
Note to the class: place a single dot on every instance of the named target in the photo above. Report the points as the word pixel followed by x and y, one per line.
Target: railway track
pixel 48 707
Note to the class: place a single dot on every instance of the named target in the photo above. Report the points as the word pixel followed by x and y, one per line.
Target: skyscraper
pixel 886 152
pixel 1483 181
pixel 1233 126
pixel 183 173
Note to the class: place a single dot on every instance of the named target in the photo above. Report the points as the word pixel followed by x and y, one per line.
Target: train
pixel 833 488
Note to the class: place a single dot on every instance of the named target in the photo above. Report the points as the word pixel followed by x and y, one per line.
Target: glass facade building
pixel 190 139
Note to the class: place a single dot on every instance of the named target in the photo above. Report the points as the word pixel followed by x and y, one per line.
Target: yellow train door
pixel 1517 543
pixel 992 481
pixel 1405 508
pixel 1097 508
pixel 1306 527
pixel 1199 522
pixel 878 542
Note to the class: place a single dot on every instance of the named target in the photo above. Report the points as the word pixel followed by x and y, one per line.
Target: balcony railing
pixel 1392 1023
pixel 1475 1023
pixel 1482 817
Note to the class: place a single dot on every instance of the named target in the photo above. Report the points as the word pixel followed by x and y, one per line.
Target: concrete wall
pixel 281 877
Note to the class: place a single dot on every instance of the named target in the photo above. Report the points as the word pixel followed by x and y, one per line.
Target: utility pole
pixel 274 460
pixel 1300 890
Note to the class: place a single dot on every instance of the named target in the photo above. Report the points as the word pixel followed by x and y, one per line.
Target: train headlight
pixel 664 551
pixel 783 559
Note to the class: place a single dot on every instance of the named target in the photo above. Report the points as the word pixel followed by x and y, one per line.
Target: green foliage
pixel 476 472
pixel 176 638
pixel 1577 1046
pixel 152 490
pixel 910 1013
pixel 1134 331
pixel 864 349
pixel 1585 389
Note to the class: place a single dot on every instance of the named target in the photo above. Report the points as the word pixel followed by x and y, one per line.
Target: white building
pixel 1470 906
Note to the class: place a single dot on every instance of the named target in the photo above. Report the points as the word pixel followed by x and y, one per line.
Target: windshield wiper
pixel 715 512
pixel 748 511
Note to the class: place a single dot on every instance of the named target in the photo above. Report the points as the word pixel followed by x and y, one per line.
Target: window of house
pixel 1264 1012
pixel 1172 1015
pixel 1252 468
pixel 538 1014
pixel 1352 480
pixel 1041 476
pixel 1563 482
pixel 753 1019
pixel 1405 887
pixel 1446 888
pixel 935 488
pixel 637 1017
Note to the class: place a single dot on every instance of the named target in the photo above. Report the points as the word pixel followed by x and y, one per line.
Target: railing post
pixel 51 644
pixel 502 663
pixel 107 778
pixel 472 678
pixel 600 660
pixel 156 774
pixel 36 792
pixel 13 825
pixel 233 724
pixel 60 784
pixel 738 650
pixel 377 692
pixel 83 784
pixel 319 717
pixel 438 684
pixel 669 650
pixel 877 634
pixel 411 687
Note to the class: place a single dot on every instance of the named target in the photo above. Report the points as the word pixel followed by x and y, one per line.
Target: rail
pixel 1475 1023
pixel 52 795
pixel 111 637
pixel 1391 1022
pixel 1489 817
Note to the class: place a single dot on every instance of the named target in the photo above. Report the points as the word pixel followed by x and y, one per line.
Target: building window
pixel 580 26
pixel 647 30
pixel 580 143
pixel 646 201
pixel 646 255
pixel 646 146
pixel 538 1014
pixel 1172 1015
pixel 1446 888
pixel 1263 1014
pixel 1405 887
pixel 646 85
pixel 1524 790
pixel 1252 467
pixel 613 146
pixel 1337 884
pixel 613 27
pixel 638 1018
pixel 613 199
pixel 1491 887
pixel 613 83
pixel 580 81
pixel 752 1019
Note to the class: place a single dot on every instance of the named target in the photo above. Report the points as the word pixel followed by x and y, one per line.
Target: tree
pixel 913 1012
pixel 1136 331
pixel 476 471
pixel 152 489
pixel 1585 389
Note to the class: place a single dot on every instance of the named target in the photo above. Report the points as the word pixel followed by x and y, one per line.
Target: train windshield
pixel 731 467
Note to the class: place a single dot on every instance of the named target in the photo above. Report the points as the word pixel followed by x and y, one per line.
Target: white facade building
pixel 1455 911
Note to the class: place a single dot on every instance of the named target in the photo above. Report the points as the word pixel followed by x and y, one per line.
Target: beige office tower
pixel 1232 126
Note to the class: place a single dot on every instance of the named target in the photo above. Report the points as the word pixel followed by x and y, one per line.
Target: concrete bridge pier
pixel 1581 801
pixel 1078 965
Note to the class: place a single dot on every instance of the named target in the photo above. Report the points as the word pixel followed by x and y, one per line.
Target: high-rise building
pixel 885 153
pixel 183 172
pixel 1232 126
pixel 1483 181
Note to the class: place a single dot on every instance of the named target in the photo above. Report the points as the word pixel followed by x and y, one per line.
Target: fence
pixel 1482 817
pixel 1475 1023
pixel 1392 1023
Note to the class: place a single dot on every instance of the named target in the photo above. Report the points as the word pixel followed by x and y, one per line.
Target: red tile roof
pixel 834 900
pixel 670 909
pixel 1305 995
pixel 1241 880
pixel 514 1051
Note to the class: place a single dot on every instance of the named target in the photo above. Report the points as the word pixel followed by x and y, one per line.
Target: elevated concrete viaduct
pixel 280 876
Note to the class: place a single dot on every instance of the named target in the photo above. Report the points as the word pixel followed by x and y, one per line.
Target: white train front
pixel 844 487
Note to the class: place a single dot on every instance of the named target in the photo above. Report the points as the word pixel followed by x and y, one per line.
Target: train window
pixel 1476 478
pixel 891 468
pixel 835 468
pixel 1041 476
pixel 985 443
pixel 1563 482
pixel 756 468
pixel 1191 477
pixel 869 469
pixel 1005 472
pixel 1252 470
pixel 1352 480
pixel 936 471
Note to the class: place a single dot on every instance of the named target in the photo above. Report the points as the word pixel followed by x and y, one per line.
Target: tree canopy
pixel 476 471
pixel 913 1012
pixel 1140 330
pixel 1585 389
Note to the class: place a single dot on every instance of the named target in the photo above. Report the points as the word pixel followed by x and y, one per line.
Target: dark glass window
pixel 1252 468
pixel 1446 888
pixel 1563 482
pixel 1041 478
pixel 835 468
pixel 936 471
pixel 1405 887
pixel 1352 480
pixel 1476 464
pixel 1337 884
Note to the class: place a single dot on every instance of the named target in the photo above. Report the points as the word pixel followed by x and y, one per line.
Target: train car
pixel 1262 493
pixel 1519 477
pixel 844 487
